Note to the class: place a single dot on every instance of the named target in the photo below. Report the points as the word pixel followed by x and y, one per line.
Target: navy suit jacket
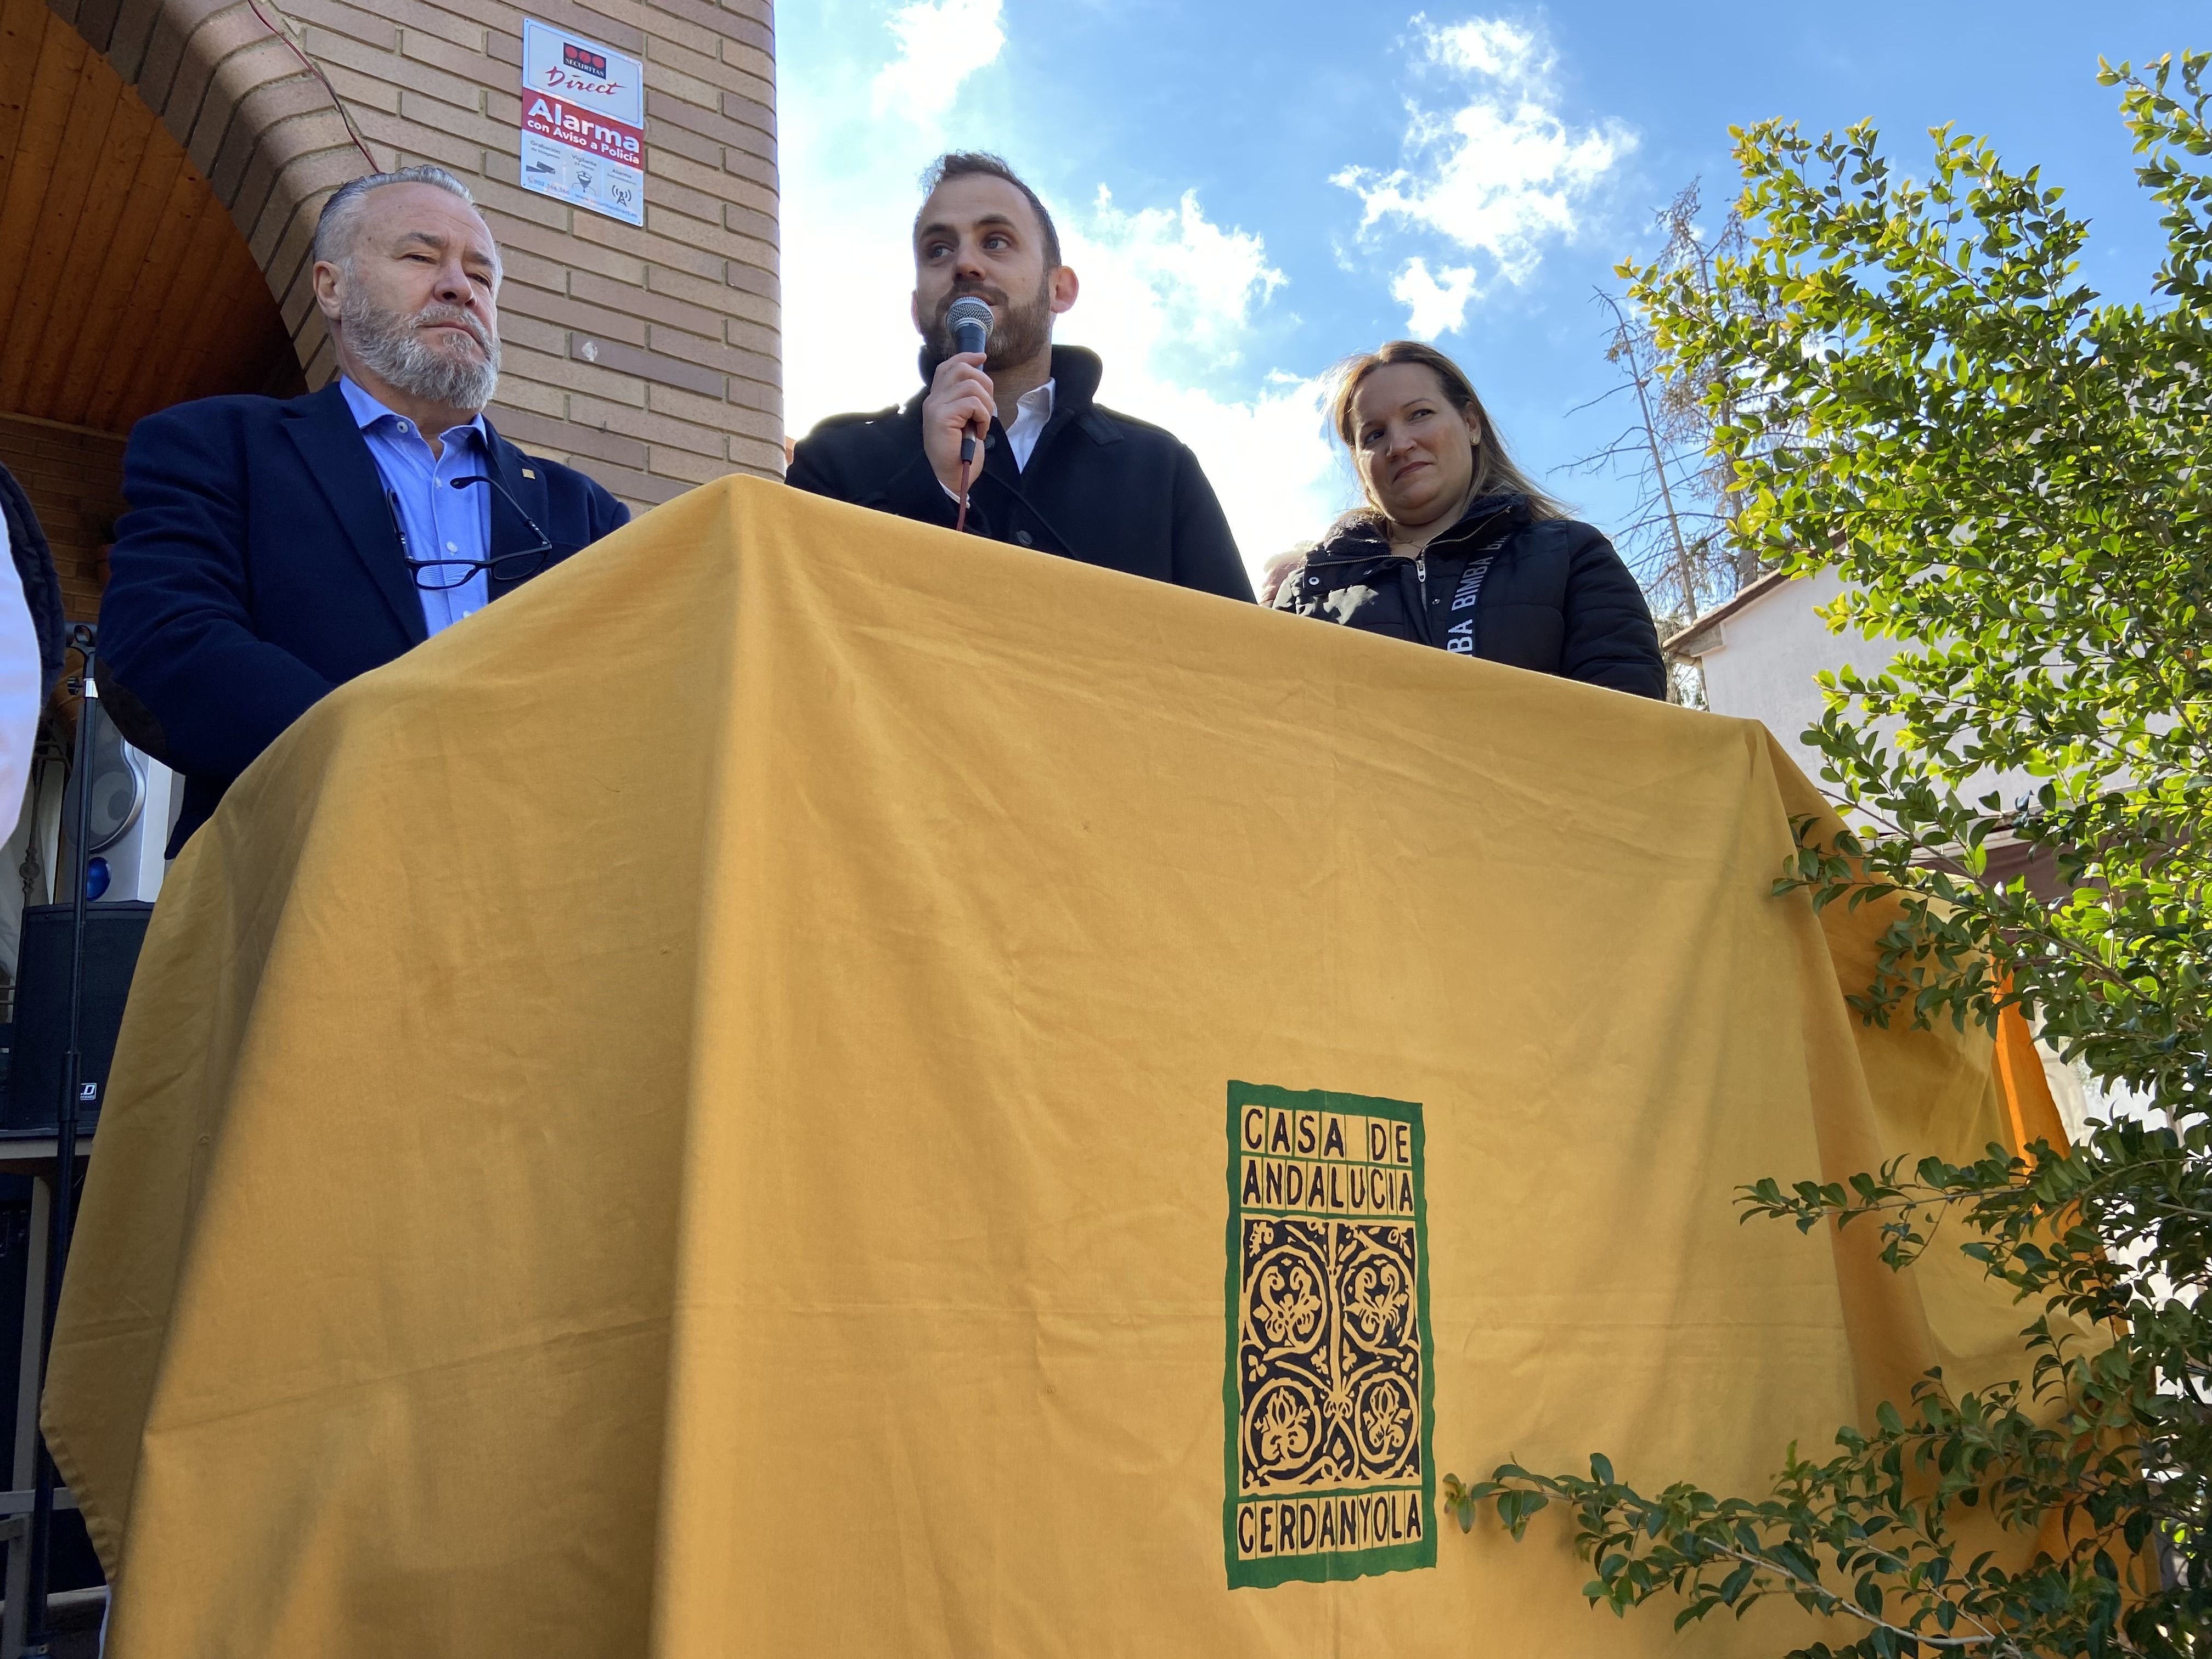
pixel 259 566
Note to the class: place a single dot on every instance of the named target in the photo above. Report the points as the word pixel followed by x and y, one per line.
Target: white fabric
pixel 1032 411
pixel 20 688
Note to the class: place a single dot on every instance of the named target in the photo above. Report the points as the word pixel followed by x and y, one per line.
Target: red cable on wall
pixel 315 69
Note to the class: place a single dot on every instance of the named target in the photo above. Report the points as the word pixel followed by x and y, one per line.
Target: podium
pixel 804 1084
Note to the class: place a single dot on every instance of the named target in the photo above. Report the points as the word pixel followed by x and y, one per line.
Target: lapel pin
pixel 527 473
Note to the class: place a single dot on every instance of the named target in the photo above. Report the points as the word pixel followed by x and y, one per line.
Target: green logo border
pixel 1337 1565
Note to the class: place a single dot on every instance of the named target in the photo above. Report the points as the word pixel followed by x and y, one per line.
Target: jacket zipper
pixel 1420 563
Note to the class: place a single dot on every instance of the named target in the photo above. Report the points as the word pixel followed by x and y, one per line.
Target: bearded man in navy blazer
pixel 275 550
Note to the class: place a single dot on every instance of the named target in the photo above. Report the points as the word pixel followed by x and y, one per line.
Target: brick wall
pixel 648 357
pixel 75 480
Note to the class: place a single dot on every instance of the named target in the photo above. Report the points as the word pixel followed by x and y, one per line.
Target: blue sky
pixel 1251 190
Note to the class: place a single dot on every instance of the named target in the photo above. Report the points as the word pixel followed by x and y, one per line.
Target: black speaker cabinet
pixel 112 934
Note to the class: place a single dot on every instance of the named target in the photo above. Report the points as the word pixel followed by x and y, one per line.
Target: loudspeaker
pixel 112 934
pixel 134 802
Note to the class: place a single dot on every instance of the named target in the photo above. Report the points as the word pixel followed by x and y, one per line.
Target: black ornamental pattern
pixel 1330 1355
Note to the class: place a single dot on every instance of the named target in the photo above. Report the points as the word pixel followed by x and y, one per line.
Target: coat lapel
pixel 338 460
pixel 999 458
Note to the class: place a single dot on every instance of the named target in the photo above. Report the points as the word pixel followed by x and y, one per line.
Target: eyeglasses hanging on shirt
pixel 440 574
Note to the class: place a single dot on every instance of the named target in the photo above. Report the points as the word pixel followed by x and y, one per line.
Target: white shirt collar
pixel 1032 411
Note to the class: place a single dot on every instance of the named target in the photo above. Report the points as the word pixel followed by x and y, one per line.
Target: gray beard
pixel 387 343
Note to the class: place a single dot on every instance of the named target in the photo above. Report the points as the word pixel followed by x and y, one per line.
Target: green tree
pixel 2013 477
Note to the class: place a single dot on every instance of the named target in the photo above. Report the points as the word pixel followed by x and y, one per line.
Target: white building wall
pixel 1762 666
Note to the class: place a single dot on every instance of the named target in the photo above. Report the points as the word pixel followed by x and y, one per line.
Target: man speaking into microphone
pixel 1006 440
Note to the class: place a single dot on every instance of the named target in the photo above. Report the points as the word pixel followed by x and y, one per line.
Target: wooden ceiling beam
pixel 170 373
pixel 136 335
pixel 120 274
pixel 31 363
pixel 22 34
pixel 125 286
pixel 38 152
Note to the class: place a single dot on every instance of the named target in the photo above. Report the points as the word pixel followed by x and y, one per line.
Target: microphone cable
pixel 1030 507
pixel 967 459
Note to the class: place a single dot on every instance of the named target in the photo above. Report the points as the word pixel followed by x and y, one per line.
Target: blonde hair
pixel 1495 472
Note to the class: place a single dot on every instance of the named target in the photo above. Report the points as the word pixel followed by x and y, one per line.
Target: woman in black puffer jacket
pixel 1456 548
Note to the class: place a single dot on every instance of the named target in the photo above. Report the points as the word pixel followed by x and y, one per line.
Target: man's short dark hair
pixel 973 164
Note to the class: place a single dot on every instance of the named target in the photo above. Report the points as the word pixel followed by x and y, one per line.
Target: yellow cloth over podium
pixel 805 1085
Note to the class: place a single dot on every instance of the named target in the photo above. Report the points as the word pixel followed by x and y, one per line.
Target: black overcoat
pixel 1101 487
pixel 1549 594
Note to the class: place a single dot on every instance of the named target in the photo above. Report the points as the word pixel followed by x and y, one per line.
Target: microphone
pixel 969 318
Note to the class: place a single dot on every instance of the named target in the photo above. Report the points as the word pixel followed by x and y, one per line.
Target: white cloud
pixel 1434 304
pixel 1193 282
pixel 940 45
pixel 1498 175
pixel 1280 477
pixel 859 123
pixel 1493 47
pixel 1170 302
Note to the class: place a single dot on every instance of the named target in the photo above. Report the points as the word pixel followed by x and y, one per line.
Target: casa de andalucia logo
pixel 1328 1389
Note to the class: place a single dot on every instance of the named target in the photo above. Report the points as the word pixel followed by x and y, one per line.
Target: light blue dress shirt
pixel 436 520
